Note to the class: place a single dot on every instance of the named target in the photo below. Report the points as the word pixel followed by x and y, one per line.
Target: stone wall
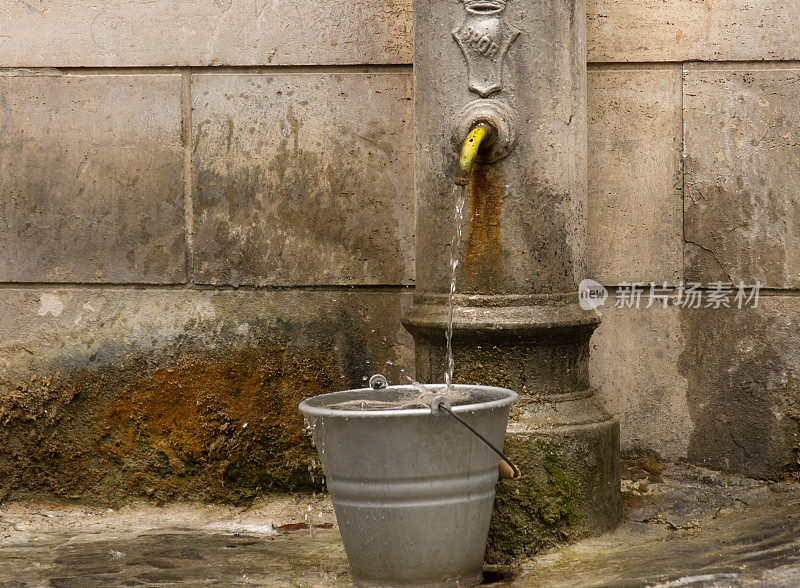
pixel 693 177
pixel 207 214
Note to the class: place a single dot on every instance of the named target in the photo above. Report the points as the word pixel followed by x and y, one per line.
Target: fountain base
pixel 564 442
pixel 570 488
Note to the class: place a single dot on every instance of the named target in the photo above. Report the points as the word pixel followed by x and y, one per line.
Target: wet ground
pixel 685 527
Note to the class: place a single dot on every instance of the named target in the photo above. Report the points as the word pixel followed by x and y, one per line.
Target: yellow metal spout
pixel 469 151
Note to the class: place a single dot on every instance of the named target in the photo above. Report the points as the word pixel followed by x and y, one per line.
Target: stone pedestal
pixel 522 67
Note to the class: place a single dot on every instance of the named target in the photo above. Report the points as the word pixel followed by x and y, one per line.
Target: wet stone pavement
pixel 685 526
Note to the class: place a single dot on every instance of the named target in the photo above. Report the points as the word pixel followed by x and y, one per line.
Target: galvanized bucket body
pixel 413 491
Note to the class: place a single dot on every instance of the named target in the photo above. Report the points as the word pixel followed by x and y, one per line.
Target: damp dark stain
pixel 735 229
pixel 743 396
pixel 334 209
pixel 518 237
pixel 104 216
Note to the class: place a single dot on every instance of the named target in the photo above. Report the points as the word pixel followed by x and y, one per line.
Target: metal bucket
pixel 413 491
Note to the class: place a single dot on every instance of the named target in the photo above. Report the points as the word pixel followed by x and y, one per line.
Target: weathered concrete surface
pixel 634 210
pixel 69 33
pixel 742 176
pixel 691 30
pixel 635 226
pixel 112 394
pixel 571 480
pixel 525 218
pixel 634 366
pixel 686 527
pixel 743 387
pixel 90 179
pixel 303 179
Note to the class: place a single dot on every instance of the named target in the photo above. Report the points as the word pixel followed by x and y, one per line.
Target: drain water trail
pixel 460 194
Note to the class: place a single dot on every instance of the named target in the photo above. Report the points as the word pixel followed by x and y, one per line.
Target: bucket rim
pixel 309 407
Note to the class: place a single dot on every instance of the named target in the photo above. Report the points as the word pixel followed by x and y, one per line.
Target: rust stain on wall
pixel 482 258
pixel 196 424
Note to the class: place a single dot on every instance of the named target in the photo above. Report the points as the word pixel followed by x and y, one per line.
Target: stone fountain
pixel 519 68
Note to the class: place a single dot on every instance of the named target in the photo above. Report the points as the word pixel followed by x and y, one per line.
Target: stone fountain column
pixel 521 66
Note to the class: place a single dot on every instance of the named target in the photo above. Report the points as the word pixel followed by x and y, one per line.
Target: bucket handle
pixel 507 468
pixel 508 471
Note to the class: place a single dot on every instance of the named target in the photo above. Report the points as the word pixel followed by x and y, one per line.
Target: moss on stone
pixel 535 512
pixel 561 489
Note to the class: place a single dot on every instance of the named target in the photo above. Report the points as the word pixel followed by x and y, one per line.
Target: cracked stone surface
pixel 686 526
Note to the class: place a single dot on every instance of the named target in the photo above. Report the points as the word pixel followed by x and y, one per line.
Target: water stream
pixel 460 194
pixel 425 395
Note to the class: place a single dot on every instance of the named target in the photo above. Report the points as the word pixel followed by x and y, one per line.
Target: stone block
pixel 688 30
pixel 635 231
pixel 90 179
pixel 124 33
pixel 742 169
pixel 634 364
pixel 303 179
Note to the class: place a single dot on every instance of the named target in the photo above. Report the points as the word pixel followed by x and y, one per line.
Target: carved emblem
pixel 484 38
